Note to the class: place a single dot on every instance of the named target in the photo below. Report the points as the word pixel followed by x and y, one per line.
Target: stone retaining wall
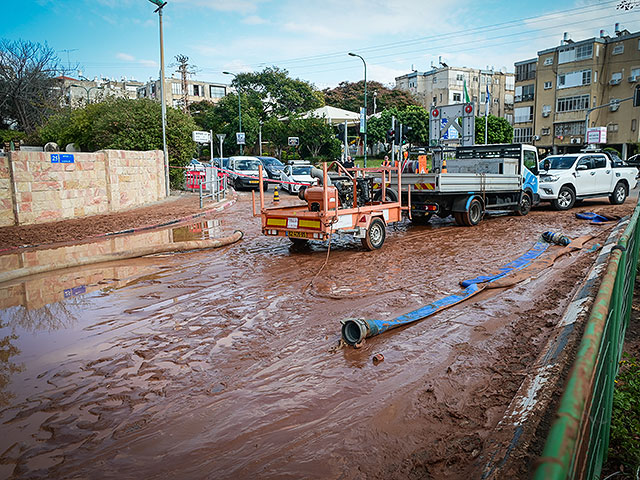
pixel 38 187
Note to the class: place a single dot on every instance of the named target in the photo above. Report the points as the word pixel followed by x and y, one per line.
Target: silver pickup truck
pixel 565 179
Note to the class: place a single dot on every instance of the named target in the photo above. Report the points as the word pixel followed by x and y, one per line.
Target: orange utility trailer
pixel 343 203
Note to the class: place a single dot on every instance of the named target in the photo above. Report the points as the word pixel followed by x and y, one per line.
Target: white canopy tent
pixel 333 115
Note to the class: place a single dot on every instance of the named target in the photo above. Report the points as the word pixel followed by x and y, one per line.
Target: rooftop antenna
pixel 68 60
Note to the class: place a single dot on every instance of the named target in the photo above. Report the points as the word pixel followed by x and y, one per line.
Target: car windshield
pixel 558 163
pixel 301 170
pixel 247 164
pixel 272 162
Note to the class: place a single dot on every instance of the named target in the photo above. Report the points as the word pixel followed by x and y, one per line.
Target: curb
pixel 537 390
pixel 218 208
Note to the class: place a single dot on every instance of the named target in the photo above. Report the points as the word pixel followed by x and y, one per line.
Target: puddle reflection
pixel 203 230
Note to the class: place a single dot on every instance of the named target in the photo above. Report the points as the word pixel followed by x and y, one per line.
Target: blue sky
pixel 311 39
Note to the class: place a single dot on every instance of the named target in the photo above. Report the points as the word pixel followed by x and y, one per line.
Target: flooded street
pixel 226 363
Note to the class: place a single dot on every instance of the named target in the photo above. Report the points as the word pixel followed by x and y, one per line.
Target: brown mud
pixel 221 364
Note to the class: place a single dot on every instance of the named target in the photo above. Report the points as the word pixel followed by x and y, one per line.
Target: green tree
pixel 350 96
pixel 314 134
pixel 125 124
pixel 417 118
pixel 499 131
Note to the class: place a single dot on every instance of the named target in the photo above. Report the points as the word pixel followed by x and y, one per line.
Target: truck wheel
pixel 566 199
pixel 389 193
pixel 375 235
pixel 525 205
pixel 619 194
pixel 235 185
pixel 472 216
pixel 458 216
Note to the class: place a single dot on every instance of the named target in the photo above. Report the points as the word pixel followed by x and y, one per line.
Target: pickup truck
pixel 243 172
pixel 570 178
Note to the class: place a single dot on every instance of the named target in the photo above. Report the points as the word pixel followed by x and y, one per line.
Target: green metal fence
pixel 578 440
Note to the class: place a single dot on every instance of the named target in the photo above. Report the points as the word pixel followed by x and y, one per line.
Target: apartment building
pixel 579 84
pixel 445 86
pixel 196 91
pixel 80 91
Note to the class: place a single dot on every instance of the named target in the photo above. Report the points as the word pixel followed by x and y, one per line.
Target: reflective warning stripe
pixel 424 186
pixel 309 224
pixel 276 222
pixel 302 223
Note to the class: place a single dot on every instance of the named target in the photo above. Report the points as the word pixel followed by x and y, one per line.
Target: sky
pixel 309 38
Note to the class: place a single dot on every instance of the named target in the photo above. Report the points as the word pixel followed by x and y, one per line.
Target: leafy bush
pixel 125 124
pixel 624 443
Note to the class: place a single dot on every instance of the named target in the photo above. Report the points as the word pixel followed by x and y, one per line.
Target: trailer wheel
pixel 375 235
pixel 525 205
pixel 471 216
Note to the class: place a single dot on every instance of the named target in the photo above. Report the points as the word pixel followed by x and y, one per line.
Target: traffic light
pixel 397 133
pixel 405 132
pixel 340 135
pixel 391 136
pixel 636 96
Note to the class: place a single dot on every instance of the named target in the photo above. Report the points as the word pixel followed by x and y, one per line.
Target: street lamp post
pixel 239 108
pixel 365 104
pixel 160 4
pixel 86 90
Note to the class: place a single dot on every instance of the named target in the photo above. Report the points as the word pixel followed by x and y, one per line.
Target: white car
pixel 576 176
pixel 296 174
pixel 244 173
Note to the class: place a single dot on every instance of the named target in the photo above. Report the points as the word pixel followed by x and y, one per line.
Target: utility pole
pixel 183 69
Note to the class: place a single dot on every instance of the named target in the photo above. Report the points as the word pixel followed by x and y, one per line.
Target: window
pixel 522 135
pixel 574 79
pixel 635 75
pixel 612 127
pixel 523 114
pixel 599 161
pixel 572 104
pixel 457 97
pixel 546 109
pixel 176 88
pixel 459 77
pixel 616 77
pixel 548 61
pixel 509 118
pixel 217 92
pixel 584 51
pixel 435 100
pixel 634 124
pixel 618 49
pixel 524 93
pixel 526 71
pixel 545 131
pixel 508 99
pixel 509 83
pixel 196 90
pixel 569 128
pixel 548 85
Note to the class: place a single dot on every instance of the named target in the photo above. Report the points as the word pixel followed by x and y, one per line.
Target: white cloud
pixel 126 57
pixel 254 20
pixel 238 6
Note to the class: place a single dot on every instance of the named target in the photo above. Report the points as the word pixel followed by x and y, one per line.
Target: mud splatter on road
pixel 222 364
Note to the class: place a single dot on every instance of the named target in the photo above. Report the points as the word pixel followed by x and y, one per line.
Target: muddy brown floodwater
pixel 225 364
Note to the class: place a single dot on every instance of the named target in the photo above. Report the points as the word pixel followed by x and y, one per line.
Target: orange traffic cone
pixel 276 195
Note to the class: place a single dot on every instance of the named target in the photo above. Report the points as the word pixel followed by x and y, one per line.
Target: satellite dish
pixel 71 147
pixel 51 147
pixel 503 70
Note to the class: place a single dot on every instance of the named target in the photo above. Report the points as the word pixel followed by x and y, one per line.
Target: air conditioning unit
pixel 576 140
pixel 614 107
pixel 614 81
pixel 545 114
pixel 633 79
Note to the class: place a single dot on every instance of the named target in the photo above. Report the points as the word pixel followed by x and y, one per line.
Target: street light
pixel 86 90
pixel 365 105
pixel 239 108
pixel 160 4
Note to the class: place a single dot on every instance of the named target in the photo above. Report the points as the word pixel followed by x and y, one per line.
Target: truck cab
pixel 568 178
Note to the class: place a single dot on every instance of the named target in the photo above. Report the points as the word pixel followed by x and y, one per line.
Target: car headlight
pixel 549 179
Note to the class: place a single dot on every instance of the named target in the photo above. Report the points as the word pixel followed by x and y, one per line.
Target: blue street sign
pixel 55 158
pixel 66 158
pixel 363 119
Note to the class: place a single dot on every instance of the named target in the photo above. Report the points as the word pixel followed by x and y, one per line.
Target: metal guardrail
pixel 214 186
pixel 577 444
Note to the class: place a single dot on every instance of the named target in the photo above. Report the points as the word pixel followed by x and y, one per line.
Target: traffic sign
pixel 294 141
pixel 363 120
pixel 201 137
pixel 221 136
pixel 240 138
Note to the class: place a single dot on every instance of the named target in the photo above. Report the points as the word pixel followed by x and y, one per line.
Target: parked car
pixel 634 160
pixel 244 172
pixel 221 162
pixel 272 166
pixel 570 177
pixel 196 165
pixel 299 173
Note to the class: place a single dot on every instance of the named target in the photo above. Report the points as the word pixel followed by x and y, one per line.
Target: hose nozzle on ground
pixel 355 330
